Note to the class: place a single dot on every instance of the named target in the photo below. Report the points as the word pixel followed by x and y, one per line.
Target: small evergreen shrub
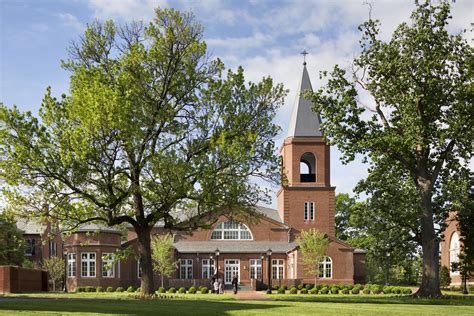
pixel 119 289
pixel 387 289
pixel 130 289
pixel 99 289
pixel 80 289
pixel 309 286
pixel 172 290
pixel 345 291
pixel 396 290
pixel 281 290
pixel 359 286
pixel 161 290
pixel 349 286
pixel 182 290
pixel 314 290
pixel 366 290
pixel 192 290
pixel 90 289
pixel 285 287
pixel 334 290
pixel 319 286
pixel 324 290
pixel 293 290
pixel 355 290
pixel 406 291
pixel 204 290
pixel 304 291
pixel 138 290
pixel 109 289
pixel 376 290
pixel 300 287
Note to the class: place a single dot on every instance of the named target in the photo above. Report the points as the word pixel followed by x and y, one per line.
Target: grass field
pixel 114 304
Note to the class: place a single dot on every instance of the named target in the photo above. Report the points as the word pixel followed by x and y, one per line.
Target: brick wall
pixel 15 279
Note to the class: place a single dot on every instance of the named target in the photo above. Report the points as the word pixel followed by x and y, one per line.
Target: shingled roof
pixel 234 246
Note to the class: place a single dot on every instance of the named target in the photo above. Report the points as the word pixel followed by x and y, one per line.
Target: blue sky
pixel 265 37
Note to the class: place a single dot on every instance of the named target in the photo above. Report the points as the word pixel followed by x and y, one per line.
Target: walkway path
pixel 251 296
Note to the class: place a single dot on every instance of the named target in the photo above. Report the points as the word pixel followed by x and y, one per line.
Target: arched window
pixel 231 230
pixel 454 251
pixel 325 268
pixel 308 168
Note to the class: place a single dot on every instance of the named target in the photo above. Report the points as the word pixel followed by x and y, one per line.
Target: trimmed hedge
pixel 366 290
pixel 109 289
pixel 204 290
pixel 99 289
pixel 314 290
pixel 345 291
pixel 324 290
pixel 309 286
pixel 304 291
pixel 182 290
pixel 130 289
pixel 300 287
pixel 387 289
pixel 119 289
pixel 406 291
pixel 396 290
pixel 161 290
pixel 355 290
pixel 281 290
pixel 172 290
pixel 293 290
pixel 334 290
pixel 192 290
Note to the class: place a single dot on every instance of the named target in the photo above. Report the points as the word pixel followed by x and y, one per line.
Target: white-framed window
pixel 277 268
pixel 309 211
pixel 454 250
pixel 108 265
pixel 256 269
pixel 71 265
pixel 88 264
pixel 208 268
pixel 53 248
pixel 231 230
pixel 325 268
pixel 30 247
pixel 186 268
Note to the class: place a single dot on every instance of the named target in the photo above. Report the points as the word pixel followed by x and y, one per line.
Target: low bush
pixel 161 290
pixel 376 289
pixel 109 289
pixel 304 291
pixel 172 290
pixel 355 290
pixel 406 291
pixel 99 289
pixel 349 287
pixel 300 287
pixel 80 289
pixel 285 287
pixel 387 289
pixel 192 290
pixel 345 291
pixel 281 290
pixel 314 290
pixel 130 289
pixel 293 290
pixel 90 289
pixel 319 286
pixel 275 287
pixel 359 286
pixel 182 290
pixel 309 286
pixel 324 290
pixel 366 290
pixel 396 290
pixel 119 289
pixel 204 290
pixel 334 290
pixel 138 290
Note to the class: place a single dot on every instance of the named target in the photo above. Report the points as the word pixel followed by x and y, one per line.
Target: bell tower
pixel 306 198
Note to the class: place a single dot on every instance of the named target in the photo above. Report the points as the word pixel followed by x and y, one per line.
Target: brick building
pixel 252 251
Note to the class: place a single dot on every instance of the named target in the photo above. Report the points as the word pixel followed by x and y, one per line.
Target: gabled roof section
pixel 269 212
pixel 304 121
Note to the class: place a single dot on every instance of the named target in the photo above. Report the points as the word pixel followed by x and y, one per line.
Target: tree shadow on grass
pixel 134 307
pixel 451 300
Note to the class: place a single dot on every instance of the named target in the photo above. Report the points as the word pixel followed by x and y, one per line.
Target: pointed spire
pixel 304 121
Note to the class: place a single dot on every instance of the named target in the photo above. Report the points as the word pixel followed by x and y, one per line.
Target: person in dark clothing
pixel 213 280
pixel 235 284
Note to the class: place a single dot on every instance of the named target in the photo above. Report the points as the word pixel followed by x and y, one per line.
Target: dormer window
pixel 231 230
pixel 308 211
pixel 307 168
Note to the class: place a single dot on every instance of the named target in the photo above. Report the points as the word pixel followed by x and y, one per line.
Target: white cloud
pixel 126 9
pixel 256 40
pixel 70 20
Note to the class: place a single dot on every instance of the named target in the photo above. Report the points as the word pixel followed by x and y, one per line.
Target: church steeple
pixel 304 121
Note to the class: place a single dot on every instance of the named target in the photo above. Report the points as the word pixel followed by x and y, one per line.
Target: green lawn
pixel 114 304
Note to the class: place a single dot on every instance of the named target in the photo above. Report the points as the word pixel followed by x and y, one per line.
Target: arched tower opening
pixel 308 168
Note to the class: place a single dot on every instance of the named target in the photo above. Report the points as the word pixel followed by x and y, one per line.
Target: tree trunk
pixel 162 280
pixel 430 279
pixel 146 268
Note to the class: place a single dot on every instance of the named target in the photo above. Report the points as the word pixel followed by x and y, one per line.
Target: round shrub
pixel 349 286
pixel 293 290
pixel 90 289
pixel 376 290
pixel 192 290
pixel 387 289
pixel 359 286
pixel 161 290
pixel 355 290
pixel 138 290
pixel 300 286
pixel 309 286
pixel 172 290
pixel 304 291
pixel 204 290
pixel 285 287
pixel 99 289
pixel 366 290
pixel 119 289
pixel 319 286
pixel 182 290
pixel 396 290
pixel 80 289
pixel 281 290
pixel 334 290
pixel 109 289
pixel 275 287
pixel 324 290
pixel 345 291
pixel 314 290
pixel 130 289
pixel 406 291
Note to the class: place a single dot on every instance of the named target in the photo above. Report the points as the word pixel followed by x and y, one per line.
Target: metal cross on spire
pixel 304 53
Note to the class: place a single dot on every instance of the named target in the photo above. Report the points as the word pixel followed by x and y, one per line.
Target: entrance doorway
pixel 231 268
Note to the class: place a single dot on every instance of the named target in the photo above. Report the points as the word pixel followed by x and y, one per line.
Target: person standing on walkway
pixel 216 286
pixel 213 280
pixel 235 283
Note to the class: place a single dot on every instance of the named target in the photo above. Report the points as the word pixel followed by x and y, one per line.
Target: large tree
pixel 12 243
pixel 152 131
pixel 421 122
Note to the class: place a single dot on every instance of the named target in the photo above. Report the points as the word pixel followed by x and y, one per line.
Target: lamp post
pixel 269 272
pixel 65 270
pixel 217 253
